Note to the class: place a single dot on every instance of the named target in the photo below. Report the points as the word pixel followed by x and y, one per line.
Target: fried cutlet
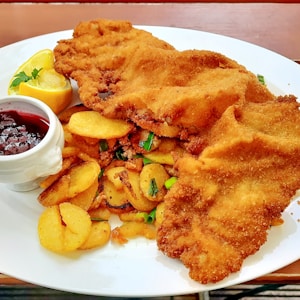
pixel 128 73
pixel 231 188
pixel 224 202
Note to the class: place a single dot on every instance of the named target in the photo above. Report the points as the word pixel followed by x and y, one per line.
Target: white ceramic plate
pixel 137 269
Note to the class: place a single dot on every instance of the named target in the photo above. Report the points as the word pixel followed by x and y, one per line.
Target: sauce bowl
pixel 24 171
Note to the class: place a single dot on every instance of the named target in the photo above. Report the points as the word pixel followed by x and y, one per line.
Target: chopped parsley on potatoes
pixel 109 167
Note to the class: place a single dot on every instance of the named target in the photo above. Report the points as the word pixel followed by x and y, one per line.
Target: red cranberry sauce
pixel 20 131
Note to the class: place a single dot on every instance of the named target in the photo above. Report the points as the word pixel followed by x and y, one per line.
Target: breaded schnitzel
pixel 219 211
pixel 127 73
pixel 248 168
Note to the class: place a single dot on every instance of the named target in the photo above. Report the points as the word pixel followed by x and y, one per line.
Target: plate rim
pixel 151 29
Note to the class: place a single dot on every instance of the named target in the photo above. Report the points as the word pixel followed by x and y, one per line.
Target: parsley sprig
pixel 23 77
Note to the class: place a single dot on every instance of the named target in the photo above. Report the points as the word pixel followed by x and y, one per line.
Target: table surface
pixel 271 25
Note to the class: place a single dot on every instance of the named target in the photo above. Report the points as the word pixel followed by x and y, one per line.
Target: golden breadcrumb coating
pixel 219 211
pixel 127 73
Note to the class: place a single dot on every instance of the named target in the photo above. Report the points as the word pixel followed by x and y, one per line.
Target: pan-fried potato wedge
pixel 116 200
pixel 77 179
pixel 69 140
pixel 167 145
pixel 86 145
pixel 64 228
pixel 93 124
pixel 92 143
pixel 133 229
pixel 65 115
pixel 56 193
pixel 157 173
pixel 159 215
pixel 100 214
pixel 132 216
pixel 134 193
pixel 160 157
pixel 99 236
pixel 113 176
pixel 85 198
pixel 78 225
pixel 66 164
pixel 82 177
pixel 70 151
pixel 50 229
pixel 85 157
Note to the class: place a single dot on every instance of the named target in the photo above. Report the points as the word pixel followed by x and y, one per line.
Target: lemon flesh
pixel 50 87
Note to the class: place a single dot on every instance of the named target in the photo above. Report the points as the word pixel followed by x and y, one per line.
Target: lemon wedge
pixel 40 80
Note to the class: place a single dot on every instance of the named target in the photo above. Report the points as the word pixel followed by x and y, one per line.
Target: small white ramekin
pixel 23 171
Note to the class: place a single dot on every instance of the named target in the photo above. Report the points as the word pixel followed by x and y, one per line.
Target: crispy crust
pixel 127 73
pixel 224 202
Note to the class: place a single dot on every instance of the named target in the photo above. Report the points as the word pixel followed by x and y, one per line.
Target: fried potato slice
pixel 56 193
pixel 132 216
pixel 66 164
pixel 133 229
pixel 89 146
pixel 159 215
pixel 113 176
pixel 77 179
pixel 50 229
pixel 85 198
pixel 63 228
pixel 135 196
pixel 82 177
pixel 99 235
pixel 116 200
pixel 164 154
pixel 93 124
pixel 78 225
pixel 150 174
pixel 160 157
pixel 99 214
pixel 65 115
pixel 70 151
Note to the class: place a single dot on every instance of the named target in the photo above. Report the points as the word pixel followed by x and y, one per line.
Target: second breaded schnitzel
pixel 224 202
pixel 127 73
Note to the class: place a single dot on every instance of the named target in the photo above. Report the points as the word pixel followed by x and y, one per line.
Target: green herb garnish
pixel 23 77
pixel 146 161
pixel 150 217
pixel 101 173
pixel 148 143
pixel 103 145
pixel 119 153
pixel 153 189
pixel 261 79
pixel 169 182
